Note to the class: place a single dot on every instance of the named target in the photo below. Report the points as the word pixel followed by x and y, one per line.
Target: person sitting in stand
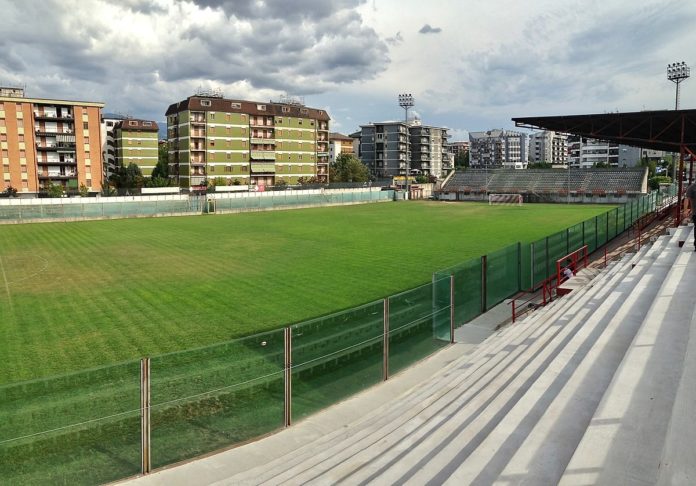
pixel 567 273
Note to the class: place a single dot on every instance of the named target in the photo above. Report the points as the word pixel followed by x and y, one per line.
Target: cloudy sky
pixel 471 65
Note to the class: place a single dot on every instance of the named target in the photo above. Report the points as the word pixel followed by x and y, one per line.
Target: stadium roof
pixel 667 130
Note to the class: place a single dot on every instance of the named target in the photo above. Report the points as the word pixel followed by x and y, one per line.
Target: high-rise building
pixel 339 144
pixel 109 121
pixel 456 148
pixel 548 147
pixel 498 148
pixel 45 141
pixel 385 148
pixel 585 153
pixel 217 140
pixel 136 142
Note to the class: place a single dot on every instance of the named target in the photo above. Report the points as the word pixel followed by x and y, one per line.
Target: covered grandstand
pixel 548 185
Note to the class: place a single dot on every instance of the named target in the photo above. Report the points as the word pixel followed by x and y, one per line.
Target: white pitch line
pixel 7 285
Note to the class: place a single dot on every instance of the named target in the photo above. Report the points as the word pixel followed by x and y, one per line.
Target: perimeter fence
pixel 112 422
pixel 72 209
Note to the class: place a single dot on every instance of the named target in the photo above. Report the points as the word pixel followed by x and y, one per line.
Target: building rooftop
pixel 206 103
pixel 138 125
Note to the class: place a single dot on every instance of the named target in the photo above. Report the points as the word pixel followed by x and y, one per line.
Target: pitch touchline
pixel 7 286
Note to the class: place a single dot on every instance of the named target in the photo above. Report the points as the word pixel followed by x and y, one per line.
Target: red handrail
pixel 576 257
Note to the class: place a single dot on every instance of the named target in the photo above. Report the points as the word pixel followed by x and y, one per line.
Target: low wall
pixel 16 210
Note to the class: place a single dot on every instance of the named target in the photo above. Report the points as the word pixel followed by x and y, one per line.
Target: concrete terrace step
pixel 332 450
pixel 367 461
pixel 541 431
pixel 626 437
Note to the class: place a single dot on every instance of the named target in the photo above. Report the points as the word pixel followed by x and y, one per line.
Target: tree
pixel 348 168
pixel 108 191
pixel 55 190
pixel 601 165
pixel 461 160
pixel 128 178
pixel 304 181
pixel 10 191
pixel 280 184
pixel 654 182
pixel 84 190
pixel 539 165
pixel 161 170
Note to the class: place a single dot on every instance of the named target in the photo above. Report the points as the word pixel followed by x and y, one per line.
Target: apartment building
pixel 245 142
pixel 456 148
pixel 136 142
pixel 548 147
pixel 498 148
pixel 339 144
pixel 386 147
pixel 585 153
pixel 46 141
pixel 109 121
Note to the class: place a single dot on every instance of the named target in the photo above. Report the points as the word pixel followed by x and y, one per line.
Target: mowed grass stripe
pixel 107 291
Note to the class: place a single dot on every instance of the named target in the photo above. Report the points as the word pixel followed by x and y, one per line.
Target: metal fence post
pixel 287 338
pixel 385 347
pixel 451 308
pixel 484 271
pixel 145 451
pixel 519 266
pixel 546 257
pixel 596 231
pixel 567 240
pixel 606 235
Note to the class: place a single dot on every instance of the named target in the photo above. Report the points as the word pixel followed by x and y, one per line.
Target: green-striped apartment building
pixel 137 143
pixel 231 142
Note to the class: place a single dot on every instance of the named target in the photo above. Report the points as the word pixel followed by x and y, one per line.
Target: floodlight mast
pixel 678 72
pixel 406 101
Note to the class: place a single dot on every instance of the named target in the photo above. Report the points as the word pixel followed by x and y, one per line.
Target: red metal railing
pixel 578 257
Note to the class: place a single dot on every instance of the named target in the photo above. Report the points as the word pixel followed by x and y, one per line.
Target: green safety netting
pixel 80 428
pixel 208 398
pixel 336 356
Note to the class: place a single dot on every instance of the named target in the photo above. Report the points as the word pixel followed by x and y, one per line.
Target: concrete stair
pixel 597 387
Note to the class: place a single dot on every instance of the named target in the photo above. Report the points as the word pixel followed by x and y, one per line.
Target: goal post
pixel 505 199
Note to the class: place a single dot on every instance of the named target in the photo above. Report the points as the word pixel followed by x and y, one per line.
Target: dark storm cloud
pixel 75 48
pixel 427 29
pixel 282 9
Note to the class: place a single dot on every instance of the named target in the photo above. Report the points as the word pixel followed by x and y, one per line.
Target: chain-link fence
pixel 104 424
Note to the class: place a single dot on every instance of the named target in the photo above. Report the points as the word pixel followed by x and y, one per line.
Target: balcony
pixel 48 147
pixel 58 175
pixel 263 155
pixel 197 147
pixel 53 116
pixel 263 140
pixel 66 146
pixel 263 168
pixel 197 133
pixel 254 122
pixel 57 162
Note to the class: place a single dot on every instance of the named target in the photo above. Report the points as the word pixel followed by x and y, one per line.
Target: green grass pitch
pixel 78 295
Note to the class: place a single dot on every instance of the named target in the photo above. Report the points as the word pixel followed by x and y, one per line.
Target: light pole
pixel 677 72
pixel 406 101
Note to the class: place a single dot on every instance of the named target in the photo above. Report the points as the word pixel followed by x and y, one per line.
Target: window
pixel 279 119
pixel 229 156
pixel 286 109
pixel 311 123
pixel 212 116
pixel 89 182
pixel 212 168
pixel 147 124
pixel 228 117
pixel 24 168
pixel 236 106
pixel 261 107
pixel 205 103
pixel 229 130
pixel 212 130
pixel 21 138
pixel 244 143
pixel 109 124
pixel 304 111
pixel 245 168
pixel 299 121
pixel 212 143
pixel 300 157
pixel 131 123
pixel 86 140
pixel 243 131
pixel 228 143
